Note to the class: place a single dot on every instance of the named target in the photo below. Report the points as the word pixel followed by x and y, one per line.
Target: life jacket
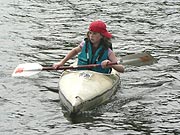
pixel 86 57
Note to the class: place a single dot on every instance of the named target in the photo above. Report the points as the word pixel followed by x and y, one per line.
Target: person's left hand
pixel 104 64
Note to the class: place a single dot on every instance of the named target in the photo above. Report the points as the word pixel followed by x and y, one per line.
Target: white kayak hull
pixel 83 89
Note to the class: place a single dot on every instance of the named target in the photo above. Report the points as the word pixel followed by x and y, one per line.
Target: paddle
pixel 138 59
pixel 29 69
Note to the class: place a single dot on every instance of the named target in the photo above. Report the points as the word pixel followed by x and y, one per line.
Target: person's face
pixel 95 37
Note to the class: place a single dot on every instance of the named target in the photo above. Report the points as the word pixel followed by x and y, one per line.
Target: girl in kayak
pixel 95 49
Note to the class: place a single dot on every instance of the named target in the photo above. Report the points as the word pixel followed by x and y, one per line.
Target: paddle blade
pixel 138 59
pixel 27 69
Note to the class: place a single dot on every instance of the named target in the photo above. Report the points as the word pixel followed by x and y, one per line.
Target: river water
pixel 43 31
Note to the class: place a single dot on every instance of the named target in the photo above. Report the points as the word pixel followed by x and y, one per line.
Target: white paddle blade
pixel 138 59
pixel 27 69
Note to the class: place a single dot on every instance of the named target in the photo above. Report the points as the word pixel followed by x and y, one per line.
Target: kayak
pixel 82 90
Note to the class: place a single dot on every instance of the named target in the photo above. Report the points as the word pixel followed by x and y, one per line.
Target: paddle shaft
pixel 133 59
pixel 29 69
pixel 77 67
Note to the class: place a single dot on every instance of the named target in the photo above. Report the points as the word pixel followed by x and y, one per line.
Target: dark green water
pixel 148 99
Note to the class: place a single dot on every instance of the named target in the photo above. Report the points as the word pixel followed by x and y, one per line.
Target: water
pixel 43 31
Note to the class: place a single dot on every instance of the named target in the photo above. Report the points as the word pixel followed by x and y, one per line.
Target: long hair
pixel 106 42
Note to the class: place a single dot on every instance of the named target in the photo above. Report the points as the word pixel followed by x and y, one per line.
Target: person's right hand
pixel 57 65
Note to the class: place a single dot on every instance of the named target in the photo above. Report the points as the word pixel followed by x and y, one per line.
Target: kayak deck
pixel 84 89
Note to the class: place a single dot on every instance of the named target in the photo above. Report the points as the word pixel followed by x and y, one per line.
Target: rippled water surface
pixel 43 31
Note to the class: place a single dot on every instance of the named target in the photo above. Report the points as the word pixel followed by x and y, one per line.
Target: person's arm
pixel 71 54
pixel 118 67
pixel 113 58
